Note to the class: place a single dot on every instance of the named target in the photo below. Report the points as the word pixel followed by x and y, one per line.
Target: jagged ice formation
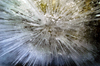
pixel 46 32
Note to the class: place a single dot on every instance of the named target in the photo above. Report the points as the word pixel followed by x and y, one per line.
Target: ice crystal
pixel 45 32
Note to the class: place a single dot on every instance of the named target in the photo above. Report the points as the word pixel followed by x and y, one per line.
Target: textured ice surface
pixel 49 32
